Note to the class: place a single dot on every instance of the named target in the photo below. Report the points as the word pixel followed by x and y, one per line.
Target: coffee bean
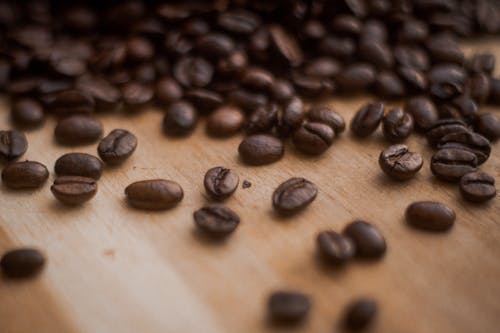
pixel 288 306
pixel 105 95
pixel 215 45
pixel 154 194
pixel 27 174
pixel 294 195
pixel 27 113
pixel 450 164
pixel 324 67
pixel 415 80
pixel 488 125
pixel 292 116
pixel 78 130
pixel 204 100
pixel 479 85
pixel 399 163
pixel 424 112
pixel 282 91
pixel 225 121
pixel 342 48
pixel 117 146
pixel 233 65
pixel 327 116
pixel 430 215
pixel 413 31
pixel 257 79
pixel 397 125
pixel 313 138
pixel 260 149
pixel 78 164
pixel 347 24
pixel 286 46
pixel 74 190
pixel 239 21
pixel 335 248
pixel 411 56
pixel 446 81
pixel 180 119
pixel 482 63
pixel 220 182
pixel 21 263
pixel 13 144
pixel 360 314
pixel 369 242
pixel 167 90
pixel 444 48
pixel 247 100
pixel 443 127
pixel 262 120
pixel 136 94
pixel 389 85
pixel 311 86
pixel 193 72
pixel 477 186
pixel 216 220
pixel 461 107
pixel 367 119
pixel 494 95
pixel 470 141
pixel 72 101
pixel 356 77
pixel 375 52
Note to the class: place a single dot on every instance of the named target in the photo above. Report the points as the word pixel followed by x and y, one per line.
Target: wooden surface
pixel 115 269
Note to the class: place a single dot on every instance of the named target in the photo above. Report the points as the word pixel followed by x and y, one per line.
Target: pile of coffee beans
pixel 252 67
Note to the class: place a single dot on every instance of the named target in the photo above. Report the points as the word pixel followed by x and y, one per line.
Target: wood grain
pixel 115 269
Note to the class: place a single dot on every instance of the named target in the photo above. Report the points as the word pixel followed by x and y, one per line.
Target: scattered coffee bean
pixel 261 149
pixel 22 263
pixel 477 187
pixel 294 195
pixel 397 125
pixel 399 163
pixel 367 119
pixel 360 314
pixel 369 242
pixel 74 190
pixel 288 306
pixel 470 141
pixel 430 215
pixel 117 146
pixel 27 113
pixel 282 91
pixel 225 121
pixel 220 182
pixel 292 117
pixel 180 119
pixel 329 117
pixel 356 77
pixel 488 125
pixel 389 85
pixel 78 130
pixel 204 100
pixel 22 175
pixel 424 112
pixel 167 90
pixel 443 127
pixel 450 164
pixel 313 138
pixel 246 184
pixel 136 95
pixel 335 248
pixel 262 120
pixel 13 144
pixel 78 164
pixel 105 95
pixel 216 220
pixel 154 194
pixel 70 102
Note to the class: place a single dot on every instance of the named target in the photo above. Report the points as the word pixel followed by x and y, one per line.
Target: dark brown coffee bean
pixel 21 263
pixel 74 190
pixel 239 21
pixel 450 164
pixel 144 73
pixel 27 113
pixel 204 100
pixel 282 91
pixel 367 119
pixel 257 78
pixel 286 46
pixel 397 125
pixel 215 45
pixel 78 164
pixel 324 67
pixel 72 101
pixel 424 112
pixel 412 57
pixel 479 86
pixel 343 48
pixel 444 48
pixel 225 121
pixel 260 149
pixel 399 163
pixel 346 24
pixel 360 314
pixel 312 86
pixel 443 127
pixel 377 53
pixel 313 138
pixel 167 90
pixel 220 182
pixel 21 175
pixel 374 29
pixel 327 116
pixel 477 187
pixel 413 31
pixel 482 63
pixel 494 96
pixel 470 141
pixel 356 77
pixel 461 107
pixel 13 144
pixel 262 120
pixel 247 100
pixel 216 220
pixel 68 67
pixel 369 242
pixel 105 95
pixel 335 248
pixel 488 125
pixel 117 146
pixel 288 306
pixel 155 194
pixel 139 49
pixel 180 119
pixel 78 130
pixel 294 195
pixel 430 215
pixel 389 85
pixel 233 65
pixel 292 116
pixel 446 81
pixel 193 72
pixel 136 94
pixel 415 80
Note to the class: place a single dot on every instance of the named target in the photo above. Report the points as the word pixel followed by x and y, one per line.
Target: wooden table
pixel 115 269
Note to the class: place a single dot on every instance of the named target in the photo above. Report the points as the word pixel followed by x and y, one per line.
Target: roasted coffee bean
pixel 367 119
pixel 204 100
pixel 282 91
pixel 21 175
pixel 225 121
pixel 286 46
pixel 313 138
pixel 377 53
pixel 446 81
pixel 155 194
pixel 324 67
pixel 442 128
pixel 78 130
pixel 180 119
pixel 450 164
pixel 216 220
pixel 360 314
pixel 260 149
pixel 136 94
pixel 415 80
pixel 368 241
pixel 470 141
pixel 430 215
pixel 389 85
pixel 105 95
pixel 288 306
pixel 257 78
pixel 193 72
pixel 74 190
pixel 356 77
pixel 488 125
pixel 413 31
pixel 262 120
pixel 335 248
pixel 233 65
pixel 72 101
pixel 294 195
pixel 312 86
pixel 238 21
pixel 479 86
pixel 139 49
pixel 411 56
pixel 343 48
pixel 21 263
pixel 220 182
pixel 423 111
pixel 117 146
pixel 13 144
pixel 327 116
pixel 347 24
pixel 397 125
pixel 167 90
pixel 399 163
pixel 477 187
pixel 215 45
pixel 461 107
pixel 27 113
pixel 78 164
pixel 494 95
pixel 247 100
pixel 443 48
pixel 292 116
pixel 482 63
